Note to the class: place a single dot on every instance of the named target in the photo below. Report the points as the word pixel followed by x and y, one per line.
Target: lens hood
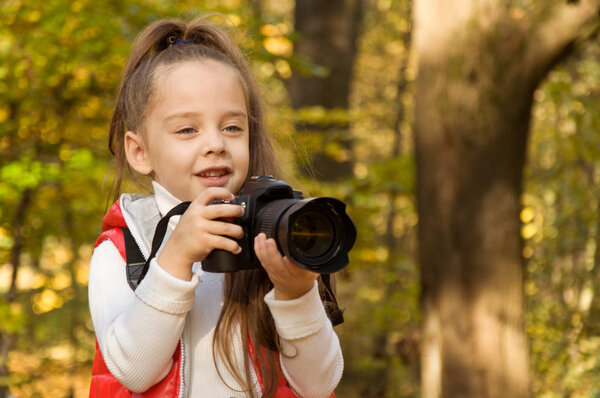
pixel 317 234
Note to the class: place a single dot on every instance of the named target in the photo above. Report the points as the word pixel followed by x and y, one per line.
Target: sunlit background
pixel 60 63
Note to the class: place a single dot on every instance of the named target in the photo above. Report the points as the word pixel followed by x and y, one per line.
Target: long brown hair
pixel 244 291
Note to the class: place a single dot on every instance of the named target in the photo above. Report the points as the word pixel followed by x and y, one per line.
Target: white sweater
pixel 139 331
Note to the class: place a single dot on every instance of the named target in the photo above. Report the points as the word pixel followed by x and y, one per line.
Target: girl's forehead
pixel 193 73
pixel 192 67
pixel 204 83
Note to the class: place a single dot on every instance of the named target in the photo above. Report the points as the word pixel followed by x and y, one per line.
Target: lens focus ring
pixel 268 217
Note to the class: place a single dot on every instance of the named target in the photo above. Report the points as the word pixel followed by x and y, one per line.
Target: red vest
pixel 104 384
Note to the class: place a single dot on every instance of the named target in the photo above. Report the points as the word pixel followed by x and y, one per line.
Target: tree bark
pixel 328 35
pixel 479 64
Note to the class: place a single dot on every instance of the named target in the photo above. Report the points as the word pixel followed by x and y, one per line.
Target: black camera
pixel 316 233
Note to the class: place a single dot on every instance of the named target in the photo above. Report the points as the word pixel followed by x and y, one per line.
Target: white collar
pixel 165 201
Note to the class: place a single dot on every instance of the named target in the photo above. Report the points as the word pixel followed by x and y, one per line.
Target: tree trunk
pixel 328 34
pixel 7 339
pixel 478 68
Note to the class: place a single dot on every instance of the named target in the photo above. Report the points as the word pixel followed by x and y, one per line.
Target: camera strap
pixel 137 264
pixel 334 312
pixel 159 234
pixel 134 257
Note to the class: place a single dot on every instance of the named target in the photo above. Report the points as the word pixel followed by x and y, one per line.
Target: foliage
pixel 560 218
pixel 60 62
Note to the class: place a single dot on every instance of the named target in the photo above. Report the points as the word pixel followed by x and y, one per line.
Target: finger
pixel 271 257
pixel 224 229
pixel 213 193
pixel 271 249
pixel 221 242
pixel 227 211
pixel 260 250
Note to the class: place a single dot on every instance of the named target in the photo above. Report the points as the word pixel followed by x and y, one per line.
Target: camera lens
pixel 316 233
pixel 312 234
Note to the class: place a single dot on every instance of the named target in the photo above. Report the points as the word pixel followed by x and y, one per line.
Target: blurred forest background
pixel 492 148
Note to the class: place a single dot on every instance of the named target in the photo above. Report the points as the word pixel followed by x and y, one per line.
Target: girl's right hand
pixel 199 232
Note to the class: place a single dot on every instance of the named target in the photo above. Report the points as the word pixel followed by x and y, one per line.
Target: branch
pixel 569 23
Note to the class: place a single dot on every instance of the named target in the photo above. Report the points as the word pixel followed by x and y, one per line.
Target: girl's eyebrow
pixel 236 113
pixel 181 115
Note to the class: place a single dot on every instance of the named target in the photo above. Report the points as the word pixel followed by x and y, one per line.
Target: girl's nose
pixel 214 143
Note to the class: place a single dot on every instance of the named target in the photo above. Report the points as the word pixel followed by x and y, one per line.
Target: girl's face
pixel 196 129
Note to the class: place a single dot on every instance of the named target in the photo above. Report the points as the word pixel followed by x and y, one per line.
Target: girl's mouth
pixel 215 176
pixel 215 173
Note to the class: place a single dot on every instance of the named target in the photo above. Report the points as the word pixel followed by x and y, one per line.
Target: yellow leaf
pixel 76 6
pixel 269 30
pixel 278 46
pixel 527 252
pixel 46 301
pixel 28 278
pixel 61 280
pixel 3 115
pixel 528 231
pixel 527 215
pixel 370 294
pixel 234 19
pixel 283 67
pixel 82 273
pixel 361 170
pixel 34 16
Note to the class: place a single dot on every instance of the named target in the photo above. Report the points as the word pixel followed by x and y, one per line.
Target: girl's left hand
pixel 290 281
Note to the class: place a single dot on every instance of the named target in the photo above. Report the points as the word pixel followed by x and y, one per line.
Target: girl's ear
pixel 136 153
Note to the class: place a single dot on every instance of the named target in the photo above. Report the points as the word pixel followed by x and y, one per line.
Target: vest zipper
pixel 182 370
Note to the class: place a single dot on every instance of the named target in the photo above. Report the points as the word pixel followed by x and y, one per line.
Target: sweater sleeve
pixel 311 356
pixel 137 331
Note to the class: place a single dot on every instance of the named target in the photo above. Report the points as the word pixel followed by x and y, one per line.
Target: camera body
pixel 316 233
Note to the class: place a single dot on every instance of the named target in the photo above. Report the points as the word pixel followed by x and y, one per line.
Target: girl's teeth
pixel 214 173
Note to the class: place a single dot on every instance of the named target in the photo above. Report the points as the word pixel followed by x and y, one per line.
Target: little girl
pixel 188 115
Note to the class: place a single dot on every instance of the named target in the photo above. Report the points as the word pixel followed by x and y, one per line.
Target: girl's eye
pixel 232 129
pixel 187 130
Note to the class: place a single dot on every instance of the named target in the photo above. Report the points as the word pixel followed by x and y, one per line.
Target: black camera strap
pixel 334 312
pixel 135 259
pixel 159 234
pixel 137 264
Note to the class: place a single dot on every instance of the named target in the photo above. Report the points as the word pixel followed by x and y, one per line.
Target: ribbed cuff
pixel 300 317
pixel 166 293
